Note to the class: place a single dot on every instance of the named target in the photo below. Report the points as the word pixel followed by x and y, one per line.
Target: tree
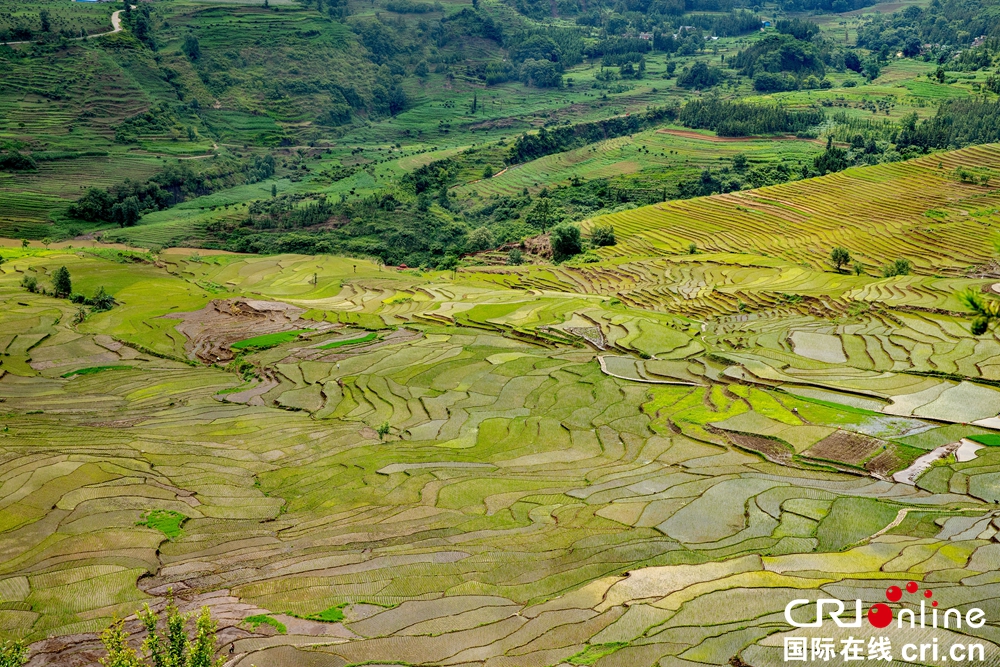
pixel 840 257
pixel 515 257
pixel 43 16
pixel 274 190
pixel 859 269
pixel 24 243
pixel 383 430
pixel 62 284
pixel 603 235
pixel 488 171
pixel 191 47
pixel 480 239
pixel 566 241
pixel 421 69
pixel 540 214
pixel 987 311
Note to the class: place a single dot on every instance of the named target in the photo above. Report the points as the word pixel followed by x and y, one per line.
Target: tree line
pixel 741 119
pixel 129 200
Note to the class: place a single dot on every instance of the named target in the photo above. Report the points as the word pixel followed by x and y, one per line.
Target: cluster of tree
pixel 139 22
pixel 797 28
pixel 742 119
pixel 733 24
pixel 17 161
pixel 287 212
pixel 547 141
pixel 62 288
pixel 780 53
pixel 126 202
pixel 410 7
pixel 700 76
pixel 824 5
pixel 941 24
pixel 536 58
pixel 957 123
pixel 618 46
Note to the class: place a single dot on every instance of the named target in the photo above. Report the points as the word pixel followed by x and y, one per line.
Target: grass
pixel 96 369
pixel 166 521
pixel 264 619
pixel 332 615
pixel 266 341
pixel 593 653
pixel 340 343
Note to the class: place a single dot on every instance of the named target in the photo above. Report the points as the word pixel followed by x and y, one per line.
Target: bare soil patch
pixel 212 330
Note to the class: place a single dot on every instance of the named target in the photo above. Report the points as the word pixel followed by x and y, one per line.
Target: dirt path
pixel 116 26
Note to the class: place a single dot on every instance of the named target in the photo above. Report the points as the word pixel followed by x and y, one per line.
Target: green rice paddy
pixel 268 340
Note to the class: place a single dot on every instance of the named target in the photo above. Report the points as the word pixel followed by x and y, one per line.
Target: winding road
pixel 116 26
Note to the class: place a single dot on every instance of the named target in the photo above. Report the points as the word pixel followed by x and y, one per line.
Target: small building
pixel 646 36
pixel 765 24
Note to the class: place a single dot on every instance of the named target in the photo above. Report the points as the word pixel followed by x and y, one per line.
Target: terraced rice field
pixel 795 220
pixel 639 461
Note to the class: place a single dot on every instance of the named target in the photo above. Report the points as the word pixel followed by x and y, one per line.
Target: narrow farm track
pixel 116 27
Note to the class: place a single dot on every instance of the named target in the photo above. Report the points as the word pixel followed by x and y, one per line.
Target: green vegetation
pixel 264 619
pixel 266 341
pixel 351 341
pixel 167 640
pixel 96 369
pixel 334 614
pixel 167 522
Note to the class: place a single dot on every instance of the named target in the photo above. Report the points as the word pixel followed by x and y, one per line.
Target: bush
pixel 901 267
pixel 603 235
pixel 30 283
pixel 515 257
pixel 566 241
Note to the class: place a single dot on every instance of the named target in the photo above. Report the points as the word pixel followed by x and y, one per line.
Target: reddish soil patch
pixel 772 450
pixel 846 447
